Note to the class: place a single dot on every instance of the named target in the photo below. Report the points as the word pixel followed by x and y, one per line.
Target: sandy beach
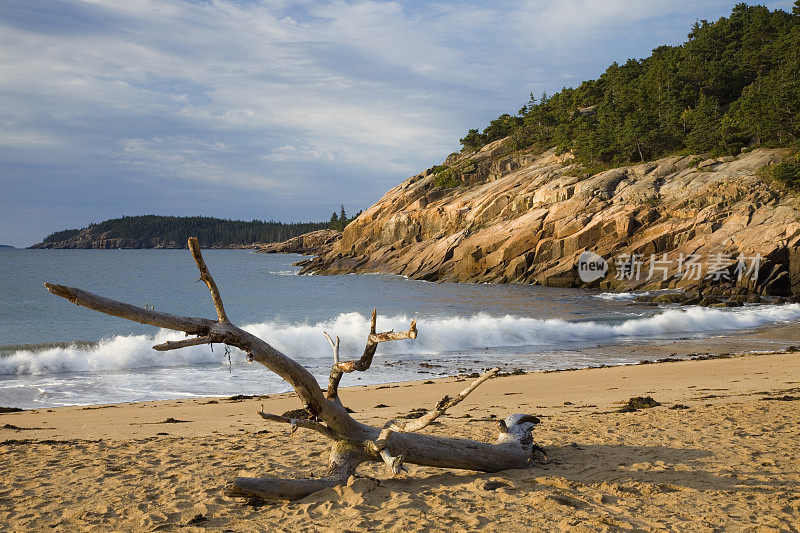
pixel 719 453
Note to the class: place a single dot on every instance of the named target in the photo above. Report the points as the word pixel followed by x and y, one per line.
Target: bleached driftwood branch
pixel 205 275
pixel 373 339
pixel 298 423
pixel 174 345
pixel 353 441
pixel 442 407
pixel 395 464
pixel 334 346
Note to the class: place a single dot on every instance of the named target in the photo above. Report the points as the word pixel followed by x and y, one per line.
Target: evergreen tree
pixel 472 140
pixel 734 82
pixel 703 123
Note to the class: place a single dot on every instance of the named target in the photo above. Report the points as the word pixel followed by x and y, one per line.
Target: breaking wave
pixel 305 341
pixel 620 296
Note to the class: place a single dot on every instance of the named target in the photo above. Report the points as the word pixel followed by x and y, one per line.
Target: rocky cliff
pixel 526 217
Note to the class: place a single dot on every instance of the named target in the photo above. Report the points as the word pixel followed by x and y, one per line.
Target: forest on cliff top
pixel 734 83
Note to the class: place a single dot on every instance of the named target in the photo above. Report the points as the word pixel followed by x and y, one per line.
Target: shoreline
pixel 776 338
pixel 288 398
pixel 719 451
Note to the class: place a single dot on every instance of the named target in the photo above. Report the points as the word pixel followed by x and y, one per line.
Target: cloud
pixel 275 102
pixel 17 139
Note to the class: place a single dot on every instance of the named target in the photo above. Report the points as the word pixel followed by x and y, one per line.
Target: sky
pixel 276 110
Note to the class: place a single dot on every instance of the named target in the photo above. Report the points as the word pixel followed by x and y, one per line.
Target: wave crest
pixel 306 343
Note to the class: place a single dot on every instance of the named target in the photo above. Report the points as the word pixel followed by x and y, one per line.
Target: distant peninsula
pixel 153 231
pixel 5 246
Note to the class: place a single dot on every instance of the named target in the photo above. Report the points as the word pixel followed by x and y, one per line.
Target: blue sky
pixel 274 109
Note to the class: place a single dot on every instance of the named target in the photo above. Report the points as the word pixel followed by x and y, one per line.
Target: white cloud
pixel 194 160
pixel 16 139
pixel 299 153
pixel 270 95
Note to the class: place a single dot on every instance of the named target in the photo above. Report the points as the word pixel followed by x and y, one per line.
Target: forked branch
pixel 373 339
pixel 334 347
pixel 442 407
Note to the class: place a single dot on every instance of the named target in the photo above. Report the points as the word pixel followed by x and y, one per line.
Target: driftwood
pixel 353 442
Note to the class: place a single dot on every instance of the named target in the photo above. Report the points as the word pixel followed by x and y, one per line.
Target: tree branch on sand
pixel 353 442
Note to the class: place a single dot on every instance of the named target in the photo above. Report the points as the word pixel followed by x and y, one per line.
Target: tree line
pixel 734 83
pixel 149 229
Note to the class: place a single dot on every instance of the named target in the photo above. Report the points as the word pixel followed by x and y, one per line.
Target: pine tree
pixel 703 123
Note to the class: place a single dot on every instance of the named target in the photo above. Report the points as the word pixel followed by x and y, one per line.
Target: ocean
pixel 53 353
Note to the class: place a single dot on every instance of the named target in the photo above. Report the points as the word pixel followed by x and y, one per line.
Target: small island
pixel 153 231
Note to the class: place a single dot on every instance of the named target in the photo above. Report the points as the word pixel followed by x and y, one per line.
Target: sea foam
pixel 437 335
pixel 620 296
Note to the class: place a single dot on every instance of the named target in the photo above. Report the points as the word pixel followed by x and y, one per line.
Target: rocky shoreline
pixel 714 296
pixel 313 243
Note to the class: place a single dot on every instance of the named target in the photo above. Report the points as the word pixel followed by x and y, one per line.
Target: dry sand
pixel 728 461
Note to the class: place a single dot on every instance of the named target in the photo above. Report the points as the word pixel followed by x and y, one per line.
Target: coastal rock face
pixel 528 217
pixel 315 242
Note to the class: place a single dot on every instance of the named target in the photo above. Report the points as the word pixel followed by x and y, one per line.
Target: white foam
pixel 306 343
pixel 116 353
pixel 621 296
